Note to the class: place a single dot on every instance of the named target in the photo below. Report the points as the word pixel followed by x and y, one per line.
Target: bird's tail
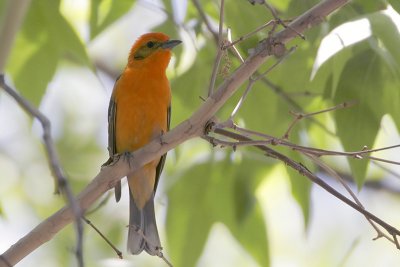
pixel 143 234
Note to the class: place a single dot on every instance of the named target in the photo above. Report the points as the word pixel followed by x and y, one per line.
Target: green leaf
pixel 216 191
pixel 45 38
pixel 364 7
pixel 243 9
pixel 189 216
pixel 169 28
pixel 187 89
pixel 358 126
pixel 3 10
pixel 105 12
pixel 32 74
pixel 252 235
pixel 300 187
pixel 298 7
pixel 395 4
pixel 281 5
pixel 328 74
pixel 248 224
pixel 371 81
pixel 385 45
pixel 386 31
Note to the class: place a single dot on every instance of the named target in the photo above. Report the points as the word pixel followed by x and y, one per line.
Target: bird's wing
pixel 112 146
pixel 161 163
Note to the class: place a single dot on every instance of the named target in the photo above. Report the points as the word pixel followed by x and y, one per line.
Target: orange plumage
pixel 139 112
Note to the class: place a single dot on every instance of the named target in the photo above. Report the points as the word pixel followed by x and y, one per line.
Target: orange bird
pixel 140 112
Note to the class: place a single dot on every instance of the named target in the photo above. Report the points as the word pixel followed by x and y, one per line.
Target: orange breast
pixel 142 100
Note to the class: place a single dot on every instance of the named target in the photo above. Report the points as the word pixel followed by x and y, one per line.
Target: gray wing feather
pixel 112 146
pixel 161 163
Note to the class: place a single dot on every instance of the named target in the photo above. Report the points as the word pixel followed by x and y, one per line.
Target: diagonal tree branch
pixel 15 12
pixel 61 182
pixel 190 128
pixel 315 179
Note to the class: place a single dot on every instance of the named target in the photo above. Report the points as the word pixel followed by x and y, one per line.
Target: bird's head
pixel 152 48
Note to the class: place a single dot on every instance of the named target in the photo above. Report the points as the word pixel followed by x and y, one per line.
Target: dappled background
pixel 214 206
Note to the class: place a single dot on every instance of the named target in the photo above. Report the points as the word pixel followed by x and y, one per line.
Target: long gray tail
pixel 143 234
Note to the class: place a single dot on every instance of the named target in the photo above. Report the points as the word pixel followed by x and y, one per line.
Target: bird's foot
pixel 162 142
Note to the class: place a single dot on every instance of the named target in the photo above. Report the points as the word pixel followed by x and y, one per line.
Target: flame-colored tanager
pixel 140 112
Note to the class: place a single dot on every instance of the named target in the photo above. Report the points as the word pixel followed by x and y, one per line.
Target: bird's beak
pixel 170 44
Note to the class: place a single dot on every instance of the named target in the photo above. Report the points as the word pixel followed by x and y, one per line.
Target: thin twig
pixel 275 88
pixel 236 53
pixel 386 169
pixel 356 154
pixel 314 178
pixel 139 231
pixel 219 52
pixel 300 116
pixel 280 60
pixel 252 80
pixel 248 35
pixel 221 22
pixel 117 251
pixel 243 97
pixel 206 20
pixel 61 183
pixel 396 241
pixel 161 255
pixel 348 253
pixel 233 48
pixel 14 16
pixel 100 205
pixel 281 22
pixel 217 62
pixel 383 160
pixel 332 173
pixel 303 94
pixel 223 143
pixel 369 184
pixel 269 139
pixel 272 10
pixel 286 97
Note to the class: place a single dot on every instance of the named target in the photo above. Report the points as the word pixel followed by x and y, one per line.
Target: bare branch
pixel 233 48
pixel 14 16
pixel 332 173
pixel 388 170
pixel 269 139
pixel 300 116
pixel 61 183
pixel 248 35
pixel 219 52
pixel 159 254
pixel 314 178
pixel 117 251
pixel 4 260
pixel 243 97
pixel 206 20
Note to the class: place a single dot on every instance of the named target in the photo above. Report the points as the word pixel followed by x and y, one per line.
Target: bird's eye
pixel 150 44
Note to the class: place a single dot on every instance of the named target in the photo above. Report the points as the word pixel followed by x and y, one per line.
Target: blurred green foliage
pixel 222 187
pixel 105 12
pixel 45 37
